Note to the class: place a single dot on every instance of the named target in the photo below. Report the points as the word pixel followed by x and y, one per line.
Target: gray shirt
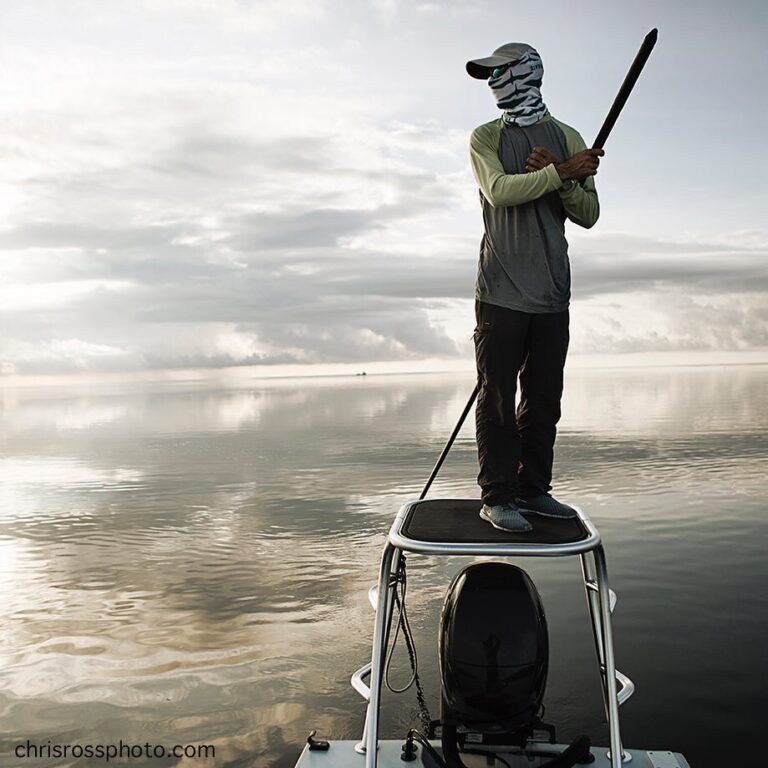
pixel 524 254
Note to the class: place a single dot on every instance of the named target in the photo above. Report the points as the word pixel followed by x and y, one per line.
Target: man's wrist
pixel 568 185
pixel 562 173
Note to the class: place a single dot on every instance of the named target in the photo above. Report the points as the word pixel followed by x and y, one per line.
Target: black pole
pixel 602 136
pixel 626 87
pixel 449 444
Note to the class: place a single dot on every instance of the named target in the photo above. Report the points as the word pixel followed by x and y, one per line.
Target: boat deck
pixel 342 754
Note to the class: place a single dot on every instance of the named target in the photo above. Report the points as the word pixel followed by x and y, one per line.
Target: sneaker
pixel 547 506
pixel 505 517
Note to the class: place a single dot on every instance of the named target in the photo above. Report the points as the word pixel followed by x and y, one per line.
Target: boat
pixel 493 663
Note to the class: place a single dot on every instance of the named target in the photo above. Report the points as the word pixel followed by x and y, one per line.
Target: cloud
pixel 205 235
pixel 389 10
pixel 298 296
pixel 669 320
pixel 64 356
pixel 611 263
pixel 193 197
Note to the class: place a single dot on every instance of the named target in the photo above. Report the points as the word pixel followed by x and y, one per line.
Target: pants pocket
pixel 481 329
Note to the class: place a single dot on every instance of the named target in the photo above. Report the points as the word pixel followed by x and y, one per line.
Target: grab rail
pixel 357 681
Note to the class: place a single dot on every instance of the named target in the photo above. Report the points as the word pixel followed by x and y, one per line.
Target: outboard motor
pixel 494 656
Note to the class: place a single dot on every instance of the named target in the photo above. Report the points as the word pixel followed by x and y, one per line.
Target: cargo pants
pixel 515 444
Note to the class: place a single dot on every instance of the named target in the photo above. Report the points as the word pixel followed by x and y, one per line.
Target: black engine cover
pixel 493 649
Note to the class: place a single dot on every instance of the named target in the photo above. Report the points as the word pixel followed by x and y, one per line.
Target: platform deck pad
pixel 458 520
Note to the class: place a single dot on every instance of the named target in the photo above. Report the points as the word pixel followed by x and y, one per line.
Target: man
pixel 533 172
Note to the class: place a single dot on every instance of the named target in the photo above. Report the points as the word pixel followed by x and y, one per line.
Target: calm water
pixel 186 565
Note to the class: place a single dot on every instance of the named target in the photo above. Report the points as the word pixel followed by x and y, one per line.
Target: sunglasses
pixel 499 71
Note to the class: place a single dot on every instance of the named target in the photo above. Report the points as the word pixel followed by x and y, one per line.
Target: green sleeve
pixel 500 188
pixel 581 204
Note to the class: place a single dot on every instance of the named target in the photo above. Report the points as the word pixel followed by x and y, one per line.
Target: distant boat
pixel 360 374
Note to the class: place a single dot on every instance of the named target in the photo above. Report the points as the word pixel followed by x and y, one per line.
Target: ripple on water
pixel 171 577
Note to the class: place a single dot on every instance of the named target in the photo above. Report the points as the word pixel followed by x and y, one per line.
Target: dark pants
pixel 516 445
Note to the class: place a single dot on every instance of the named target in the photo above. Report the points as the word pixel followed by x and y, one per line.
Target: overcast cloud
pixel 202 183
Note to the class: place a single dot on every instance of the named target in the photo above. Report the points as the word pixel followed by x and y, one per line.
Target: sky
pixel 285 185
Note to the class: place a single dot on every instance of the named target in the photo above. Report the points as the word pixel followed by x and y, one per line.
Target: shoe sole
pixel 506 530
pixel 546 514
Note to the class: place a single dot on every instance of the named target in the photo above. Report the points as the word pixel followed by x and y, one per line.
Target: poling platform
pixel 454 527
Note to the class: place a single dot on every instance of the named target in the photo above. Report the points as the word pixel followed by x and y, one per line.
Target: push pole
pixel 626 88
pixel 448 445
pixel 602 136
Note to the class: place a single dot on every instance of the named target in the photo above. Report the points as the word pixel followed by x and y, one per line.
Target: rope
pixel 401 585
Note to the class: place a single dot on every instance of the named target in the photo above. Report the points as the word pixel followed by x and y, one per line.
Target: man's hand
pixel 581 165
pixel 539 158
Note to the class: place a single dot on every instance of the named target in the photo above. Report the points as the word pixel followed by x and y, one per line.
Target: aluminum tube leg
pixel 609 678
pixel 593 603
pixel 380 633
pixel 390 605
pixel 361 747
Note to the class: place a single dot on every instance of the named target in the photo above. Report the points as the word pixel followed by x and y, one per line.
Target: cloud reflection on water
pixel 199 560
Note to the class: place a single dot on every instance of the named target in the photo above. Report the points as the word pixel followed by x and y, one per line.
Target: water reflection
pixel 191 565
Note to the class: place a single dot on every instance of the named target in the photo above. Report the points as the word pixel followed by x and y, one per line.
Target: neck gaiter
pixel 517 91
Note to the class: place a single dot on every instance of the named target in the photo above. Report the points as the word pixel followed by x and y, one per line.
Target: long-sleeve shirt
pixel 524 254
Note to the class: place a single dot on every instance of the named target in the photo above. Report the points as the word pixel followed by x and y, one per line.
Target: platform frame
pixel 600 601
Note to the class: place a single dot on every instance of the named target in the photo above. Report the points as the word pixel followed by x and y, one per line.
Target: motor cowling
pixel 493 650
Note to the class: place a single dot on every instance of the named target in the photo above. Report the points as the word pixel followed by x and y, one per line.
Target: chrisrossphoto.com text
pixel 46 750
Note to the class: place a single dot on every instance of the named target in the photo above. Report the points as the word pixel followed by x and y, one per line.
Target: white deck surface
pixel 342 755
